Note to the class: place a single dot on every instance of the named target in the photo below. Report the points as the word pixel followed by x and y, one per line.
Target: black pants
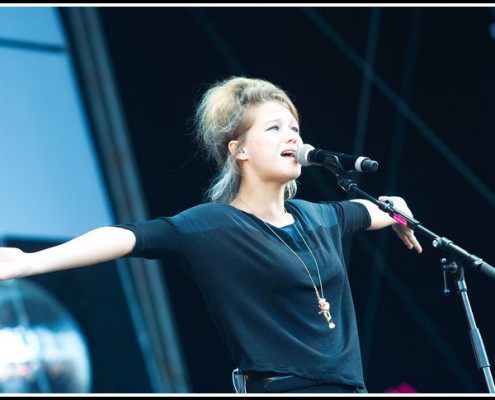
pixel 277 383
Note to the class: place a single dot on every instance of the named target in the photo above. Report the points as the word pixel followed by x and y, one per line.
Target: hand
pixel 403 232
pixel 12 263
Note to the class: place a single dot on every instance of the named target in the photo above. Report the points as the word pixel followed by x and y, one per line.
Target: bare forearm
pixel 96 246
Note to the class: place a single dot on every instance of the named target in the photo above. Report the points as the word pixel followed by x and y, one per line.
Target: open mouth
pixel 288 154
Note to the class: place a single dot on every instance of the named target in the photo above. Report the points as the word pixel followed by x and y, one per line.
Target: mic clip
pixel 332 163
pixel 344 180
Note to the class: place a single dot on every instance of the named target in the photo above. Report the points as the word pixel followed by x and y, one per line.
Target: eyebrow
pixel 272 121
pixel 292 121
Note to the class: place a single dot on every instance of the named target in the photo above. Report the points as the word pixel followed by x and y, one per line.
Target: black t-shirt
pixel 259 293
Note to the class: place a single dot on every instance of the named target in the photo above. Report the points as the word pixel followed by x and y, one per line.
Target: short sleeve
pixel 352 216
pixel 157 238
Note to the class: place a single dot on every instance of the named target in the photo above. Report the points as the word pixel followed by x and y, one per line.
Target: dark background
pixel 427 115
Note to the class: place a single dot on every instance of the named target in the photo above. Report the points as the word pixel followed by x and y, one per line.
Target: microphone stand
pixel 458 258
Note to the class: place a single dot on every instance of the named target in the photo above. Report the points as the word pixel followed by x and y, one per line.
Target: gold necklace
pixel 322 303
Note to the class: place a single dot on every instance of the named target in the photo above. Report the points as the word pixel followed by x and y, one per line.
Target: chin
pixel 293 177
pixel 298 173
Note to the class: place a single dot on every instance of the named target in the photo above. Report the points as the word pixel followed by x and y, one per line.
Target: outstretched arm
pixel 93 247
pixel 380 219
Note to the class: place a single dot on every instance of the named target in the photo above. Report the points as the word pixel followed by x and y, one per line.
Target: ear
pixel 234 148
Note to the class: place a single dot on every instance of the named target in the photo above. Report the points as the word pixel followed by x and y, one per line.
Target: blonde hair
pixel 221 116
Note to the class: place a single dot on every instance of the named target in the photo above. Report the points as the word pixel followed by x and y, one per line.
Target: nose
pixel 294 137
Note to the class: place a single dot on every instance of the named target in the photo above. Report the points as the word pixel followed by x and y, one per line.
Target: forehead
pixel 270 111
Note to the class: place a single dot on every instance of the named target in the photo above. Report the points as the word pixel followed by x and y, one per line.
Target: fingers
pixel 387 199
pixel 408 238
pixel 417 245
pixel 405 234
pixel 412 242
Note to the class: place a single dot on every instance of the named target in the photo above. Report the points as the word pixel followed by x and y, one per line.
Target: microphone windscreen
pixel 302 154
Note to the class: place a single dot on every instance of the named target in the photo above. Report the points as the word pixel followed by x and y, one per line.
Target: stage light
pixel 42 348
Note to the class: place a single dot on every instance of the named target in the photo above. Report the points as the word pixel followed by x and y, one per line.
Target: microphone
pixel 308 155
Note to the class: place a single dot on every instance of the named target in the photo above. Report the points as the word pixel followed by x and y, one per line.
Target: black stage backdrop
pixel 410 87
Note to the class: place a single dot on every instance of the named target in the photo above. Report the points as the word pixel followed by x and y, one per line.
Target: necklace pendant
pixel 325 310
pixel 323 304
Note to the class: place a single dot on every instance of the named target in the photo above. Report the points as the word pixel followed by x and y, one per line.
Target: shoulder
pixel 316 208
pixel 195 219
pixel 204 217
pixel 331 211
pixel 311 212
pixel 204 210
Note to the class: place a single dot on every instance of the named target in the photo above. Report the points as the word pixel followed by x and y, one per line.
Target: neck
pixel 267 205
